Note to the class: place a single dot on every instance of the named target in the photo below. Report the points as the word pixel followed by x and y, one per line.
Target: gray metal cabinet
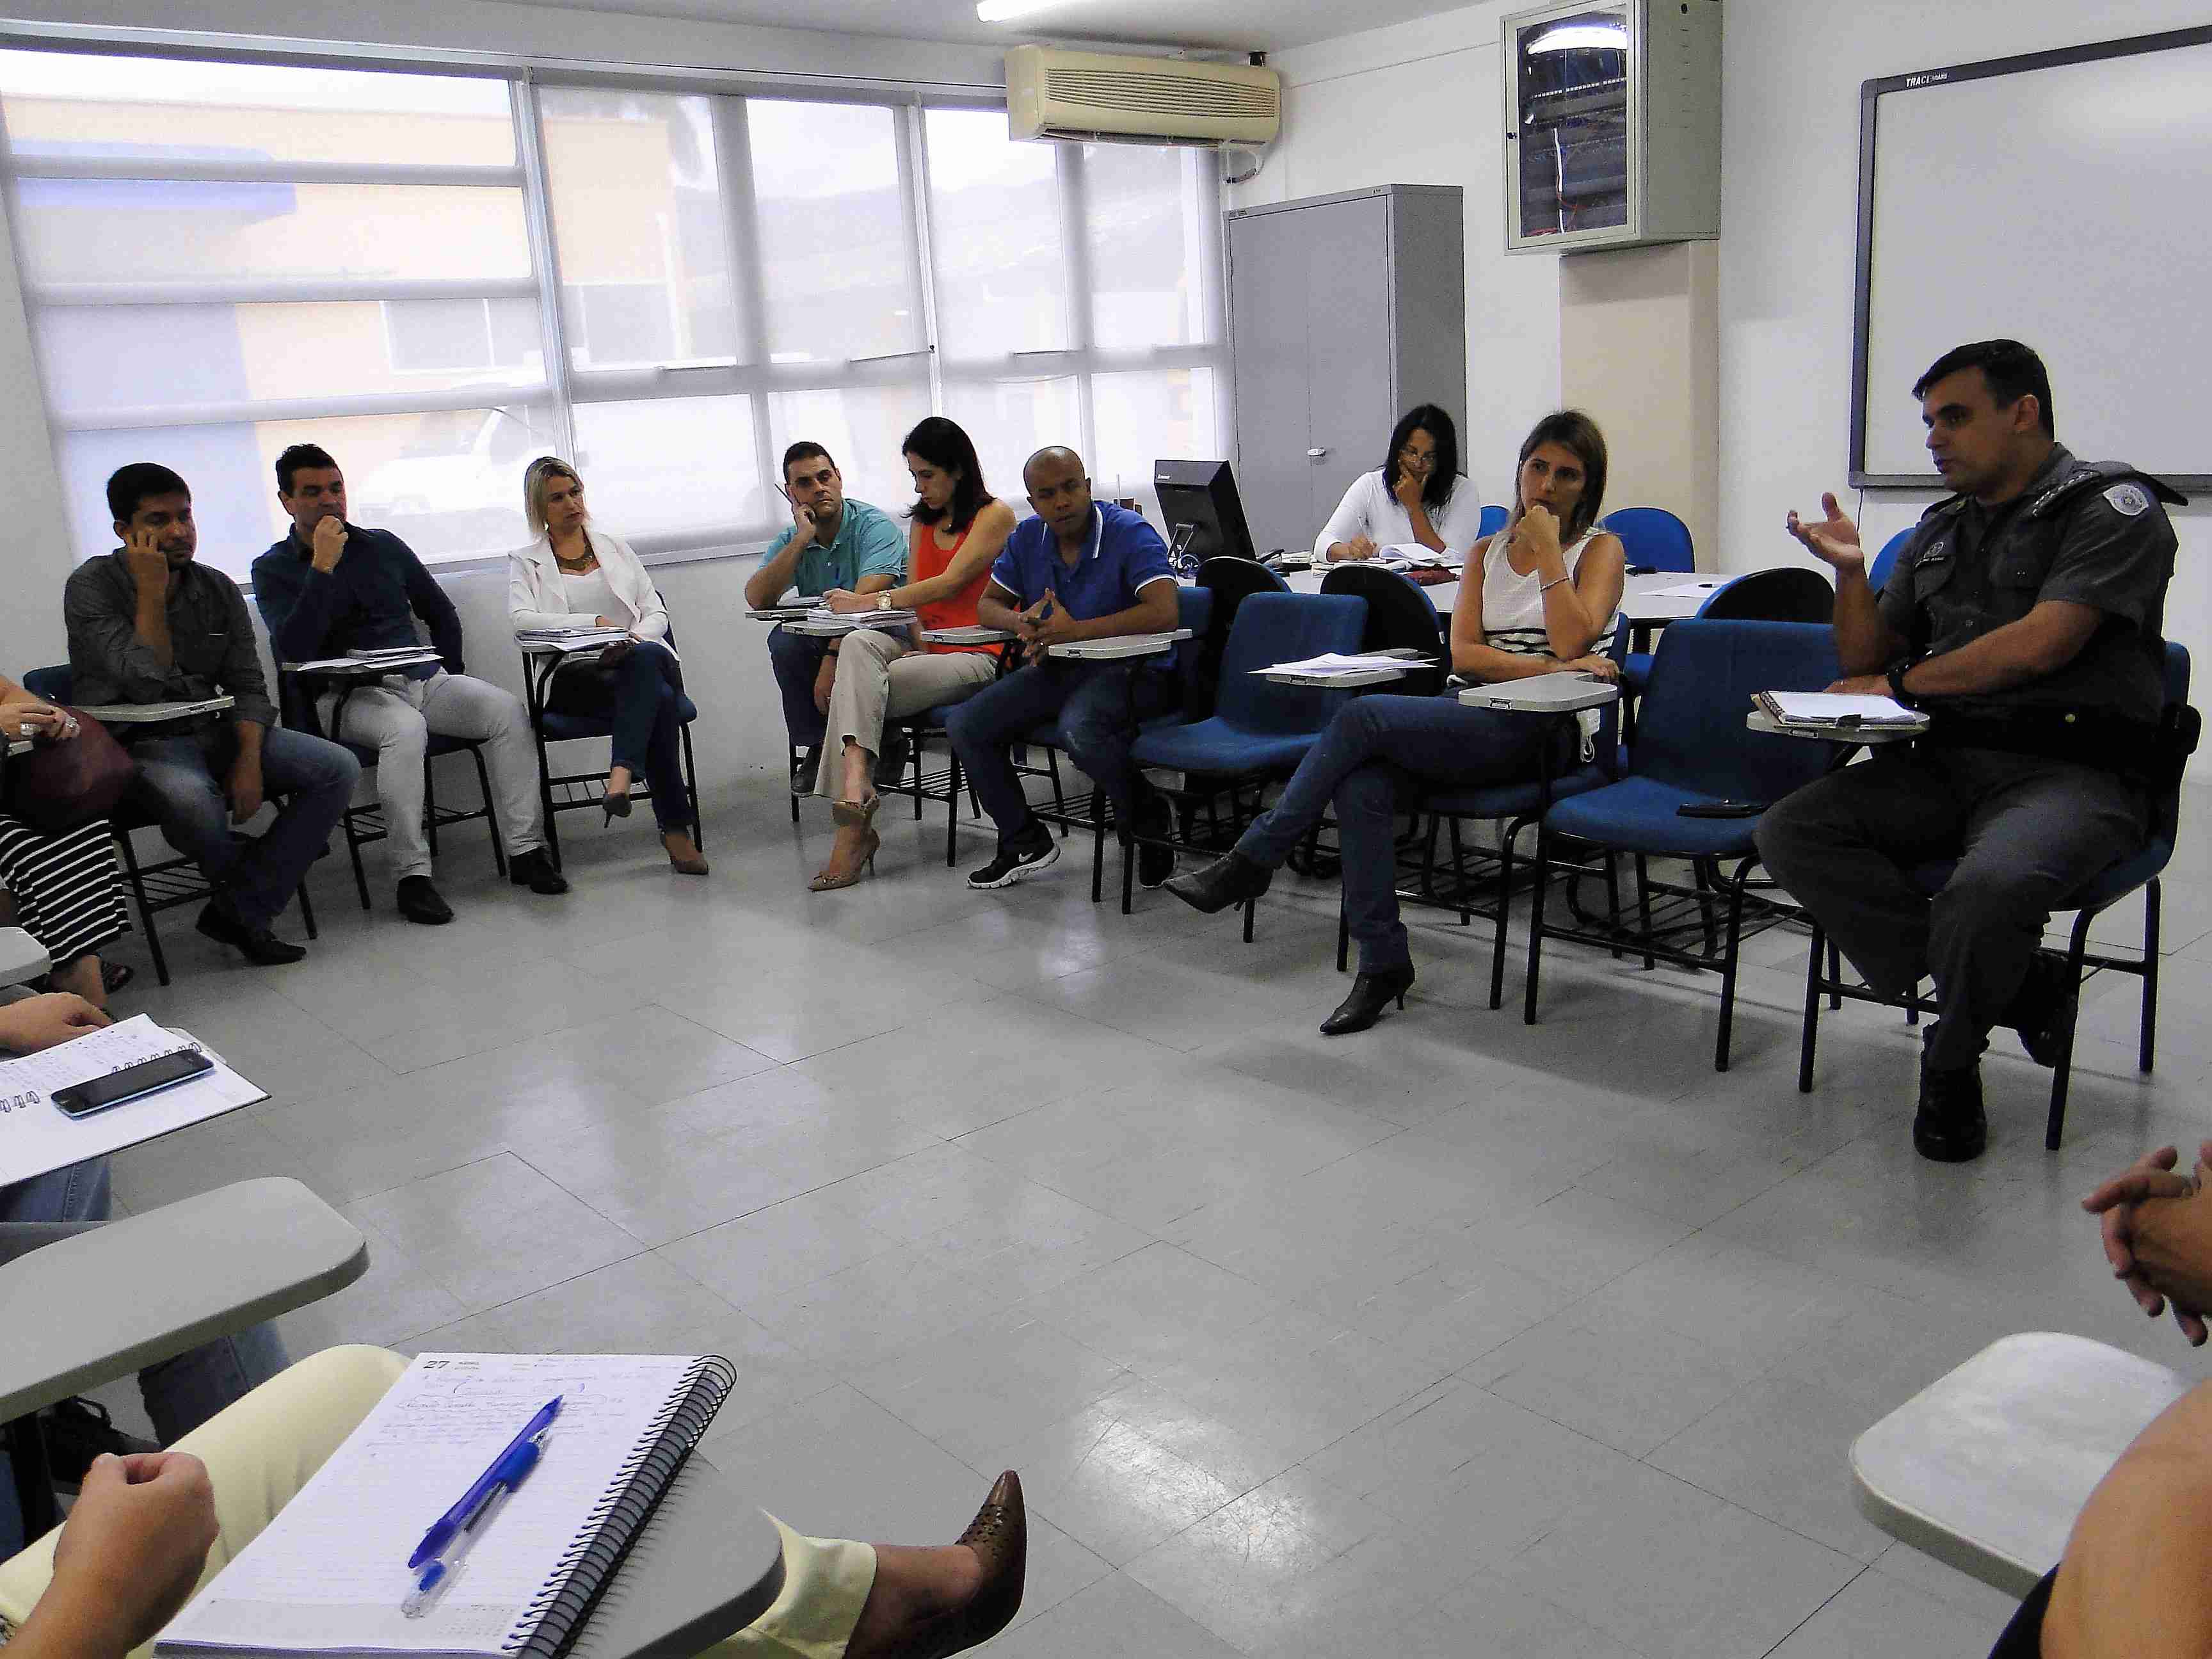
pixel 1344 312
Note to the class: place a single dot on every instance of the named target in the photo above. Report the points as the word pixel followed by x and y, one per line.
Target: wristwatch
pixel 1896 678
pixel 883 598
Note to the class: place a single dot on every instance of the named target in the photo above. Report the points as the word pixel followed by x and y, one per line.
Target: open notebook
pixel 329 1574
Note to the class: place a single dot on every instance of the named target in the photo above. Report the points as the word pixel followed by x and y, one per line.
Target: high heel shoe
pixel 857 815
pixel 687 861
pixel 617 806
pixel 1370 995
pixel 1000 1535
pixel 829 880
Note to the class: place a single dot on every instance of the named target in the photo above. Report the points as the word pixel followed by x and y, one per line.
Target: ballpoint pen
pixel 439 1555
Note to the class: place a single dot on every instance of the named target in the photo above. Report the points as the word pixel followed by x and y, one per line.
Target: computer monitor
pixel 1204 516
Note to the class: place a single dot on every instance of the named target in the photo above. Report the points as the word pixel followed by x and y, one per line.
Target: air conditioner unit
pixel 1094 96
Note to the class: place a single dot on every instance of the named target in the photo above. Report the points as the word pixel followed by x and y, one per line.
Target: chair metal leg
pixel 1097 845
pixel 2062 1074
pixel 1459 878
pixel 951 800
pixel 1835 973
pixel 2146 1041
pixel 353 851
pixel 1059 800
pixel 1251 909
pixel 1809 1032
pixel 790 767
pixel 307 910
pixel 1702 876
pixel 545 813
pixel 137 880
pixel 1612 896
pixel 1643 911
pixel 690 784
pixel 1506 833
pixel 1536 921
pixel 491 812
pixel 430 804
pixel 1728 966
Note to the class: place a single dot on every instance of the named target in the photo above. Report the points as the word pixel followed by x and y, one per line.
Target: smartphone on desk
pixel 148 1076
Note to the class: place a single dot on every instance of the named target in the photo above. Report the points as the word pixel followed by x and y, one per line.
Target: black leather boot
pixel 1229 879
pixel 1370 995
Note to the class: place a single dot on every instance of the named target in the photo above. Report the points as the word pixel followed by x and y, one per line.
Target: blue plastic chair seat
pixel 2109 886
pixel 561 728
pixel 1638 815
pixel 1512 801
pixel 1215 746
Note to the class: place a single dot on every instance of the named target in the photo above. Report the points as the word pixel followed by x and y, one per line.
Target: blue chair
pixel 1194 609
pixel 1493 520
pixel 1789 592
pixel 1401 615
pixel 167 884
pixel 1258 730
pixel 1694 748
pixel 550 726
pixel 1654 537
pixel 1517 806
pixel 2141 869
pixel 1231 582
pixel 1885 561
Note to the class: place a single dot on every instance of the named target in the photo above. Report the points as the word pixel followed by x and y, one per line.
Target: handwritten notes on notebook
pixel 328 1574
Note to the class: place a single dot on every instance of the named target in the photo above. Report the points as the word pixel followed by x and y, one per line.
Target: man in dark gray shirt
pixel 147 624
pixel 2026 614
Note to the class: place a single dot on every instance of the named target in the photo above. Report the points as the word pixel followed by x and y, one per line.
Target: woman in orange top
pixel 882 674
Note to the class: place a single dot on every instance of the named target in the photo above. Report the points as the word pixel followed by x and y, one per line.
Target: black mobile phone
pixel 148 1076
pixel 1719 809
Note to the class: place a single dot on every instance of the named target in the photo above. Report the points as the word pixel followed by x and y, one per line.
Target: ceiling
pixel 1227 25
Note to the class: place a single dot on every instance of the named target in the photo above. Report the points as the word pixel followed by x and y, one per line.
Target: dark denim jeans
pixel 1099 704
pixel 797 658
pixel 639 695
pixel 1368 767
pixel 181 781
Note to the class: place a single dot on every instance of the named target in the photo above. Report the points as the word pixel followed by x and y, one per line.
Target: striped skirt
pixel 67 891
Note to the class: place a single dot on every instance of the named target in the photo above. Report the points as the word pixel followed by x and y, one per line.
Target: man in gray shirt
pixel 146 624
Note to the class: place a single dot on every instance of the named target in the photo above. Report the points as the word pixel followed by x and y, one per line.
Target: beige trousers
pixel 880 677
pixel 262 1450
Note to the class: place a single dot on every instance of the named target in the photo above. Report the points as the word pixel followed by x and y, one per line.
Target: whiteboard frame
pixel 1871 92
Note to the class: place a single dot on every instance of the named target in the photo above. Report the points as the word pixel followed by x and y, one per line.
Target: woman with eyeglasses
pixel 1416 498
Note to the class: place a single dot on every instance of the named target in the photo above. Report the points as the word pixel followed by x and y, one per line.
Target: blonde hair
pixel 537 478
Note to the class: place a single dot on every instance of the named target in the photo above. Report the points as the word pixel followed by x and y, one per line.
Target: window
pixel 439 275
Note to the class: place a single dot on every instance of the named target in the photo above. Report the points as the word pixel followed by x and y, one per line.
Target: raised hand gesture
pixel 1833 540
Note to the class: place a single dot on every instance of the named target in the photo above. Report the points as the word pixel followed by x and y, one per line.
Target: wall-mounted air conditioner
pixel 1152 100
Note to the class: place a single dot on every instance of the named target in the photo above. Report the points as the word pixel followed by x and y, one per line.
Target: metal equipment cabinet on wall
pixel 1344 312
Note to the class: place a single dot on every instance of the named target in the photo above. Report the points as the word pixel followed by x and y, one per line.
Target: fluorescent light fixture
pixel 999 11
pixel 1572 37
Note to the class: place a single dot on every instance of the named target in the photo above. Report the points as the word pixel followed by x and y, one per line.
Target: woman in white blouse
pixel 573 574
pixel 1416 498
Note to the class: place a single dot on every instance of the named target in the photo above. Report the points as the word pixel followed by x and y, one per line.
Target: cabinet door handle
pixel 1315 454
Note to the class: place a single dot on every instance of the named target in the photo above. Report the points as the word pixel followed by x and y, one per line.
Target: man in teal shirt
pixel 832 543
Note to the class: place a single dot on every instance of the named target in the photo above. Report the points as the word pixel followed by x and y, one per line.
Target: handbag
pixel 60 786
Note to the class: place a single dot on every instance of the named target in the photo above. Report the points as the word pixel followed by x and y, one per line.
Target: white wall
pixel 1420 104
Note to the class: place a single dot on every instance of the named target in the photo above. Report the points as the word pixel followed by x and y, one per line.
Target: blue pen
pixel 437 1556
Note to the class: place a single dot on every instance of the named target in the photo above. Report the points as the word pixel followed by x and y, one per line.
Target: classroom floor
pixel 1457 1337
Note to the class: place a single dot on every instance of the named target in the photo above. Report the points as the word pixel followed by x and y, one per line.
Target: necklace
pixel 577 566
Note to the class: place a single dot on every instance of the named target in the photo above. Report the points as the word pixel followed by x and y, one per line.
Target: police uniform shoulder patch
pixel 2127 499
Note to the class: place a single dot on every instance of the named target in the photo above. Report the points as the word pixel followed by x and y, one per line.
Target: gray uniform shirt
pixel 210 640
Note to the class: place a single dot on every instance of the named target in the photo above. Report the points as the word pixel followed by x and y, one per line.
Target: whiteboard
pixel 2063 199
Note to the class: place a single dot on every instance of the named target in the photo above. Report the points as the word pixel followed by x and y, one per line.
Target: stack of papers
pixel 387 653
pixel 1697 590
pixel 380 664
pixel 584 634
pixel 822 616
pixel 1335 665
pixel 1413 556
pixel 1842 709
pixel 145 713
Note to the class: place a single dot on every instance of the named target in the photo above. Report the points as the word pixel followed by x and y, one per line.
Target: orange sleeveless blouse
pixel 927 560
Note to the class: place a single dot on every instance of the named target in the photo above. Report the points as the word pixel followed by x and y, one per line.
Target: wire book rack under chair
pixel 2139 870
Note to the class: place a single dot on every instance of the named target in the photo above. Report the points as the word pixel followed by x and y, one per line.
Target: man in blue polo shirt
pixel 833 542
pixel 1078 570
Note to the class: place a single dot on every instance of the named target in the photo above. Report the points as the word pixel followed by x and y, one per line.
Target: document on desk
pixel 1820 710
pixel 36 1135
pixel 1339 665
pixel 367 667
pixel 329 1573
pixel 150 714
pixel 1697 590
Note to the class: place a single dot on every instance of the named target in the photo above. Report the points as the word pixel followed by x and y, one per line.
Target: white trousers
pixel 396 716
pixel 880 677
pixel 260 1451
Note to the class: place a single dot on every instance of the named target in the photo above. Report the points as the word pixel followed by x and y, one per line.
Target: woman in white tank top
pixel 1544 603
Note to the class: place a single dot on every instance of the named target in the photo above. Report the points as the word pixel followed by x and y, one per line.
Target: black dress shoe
pixel 1370 995
pixel 535 870
pixel 418 901
pixel 1229 879
pixel 257 944
pixel 1950 1126
pixel 2044 1008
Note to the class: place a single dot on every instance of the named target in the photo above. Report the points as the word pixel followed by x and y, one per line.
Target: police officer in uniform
pixel 2025 617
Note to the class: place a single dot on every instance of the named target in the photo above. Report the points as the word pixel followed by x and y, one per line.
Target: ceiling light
pixel 1572 37
pixel 998 11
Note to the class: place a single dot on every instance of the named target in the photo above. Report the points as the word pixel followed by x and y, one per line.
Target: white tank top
pixel 1513 613
pixel 590 595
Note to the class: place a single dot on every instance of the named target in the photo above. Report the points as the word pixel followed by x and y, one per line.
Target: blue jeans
pixel 181 781
pixel 181 1393
pixel 641 696
pixel 1368 767
pixel 1099 704
pixel 797 658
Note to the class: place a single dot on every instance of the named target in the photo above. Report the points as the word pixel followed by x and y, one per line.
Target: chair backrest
pixel 1794 592
pixel 1193 611
pixel 1654 537
pixel 1231 580
pixel 1272 627
pixel 1400 613
pixel 1690 728
pixel 1493 519
pixel 2165 805
pixel 50 684
pixel 1885 561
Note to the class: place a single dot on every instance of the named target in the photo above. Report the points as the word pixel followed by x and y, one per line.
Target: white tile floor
pixel 1458 1337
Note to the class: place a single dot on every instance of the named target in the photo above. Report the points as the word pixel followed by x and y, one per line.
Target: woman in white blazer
pixel 1416 498
pixel 573 574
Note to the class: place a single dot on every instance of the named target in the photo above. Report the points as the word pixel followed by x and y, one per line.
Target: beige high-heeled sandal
pixel 830 880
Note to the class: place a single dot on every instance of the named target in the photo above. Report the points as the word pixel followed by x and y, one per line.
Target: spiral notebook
pixel 328 1574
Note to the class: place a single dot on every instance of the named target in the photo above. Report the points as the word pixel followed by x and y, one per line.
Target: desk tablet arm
pixel 22 958
pixel 105 1300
